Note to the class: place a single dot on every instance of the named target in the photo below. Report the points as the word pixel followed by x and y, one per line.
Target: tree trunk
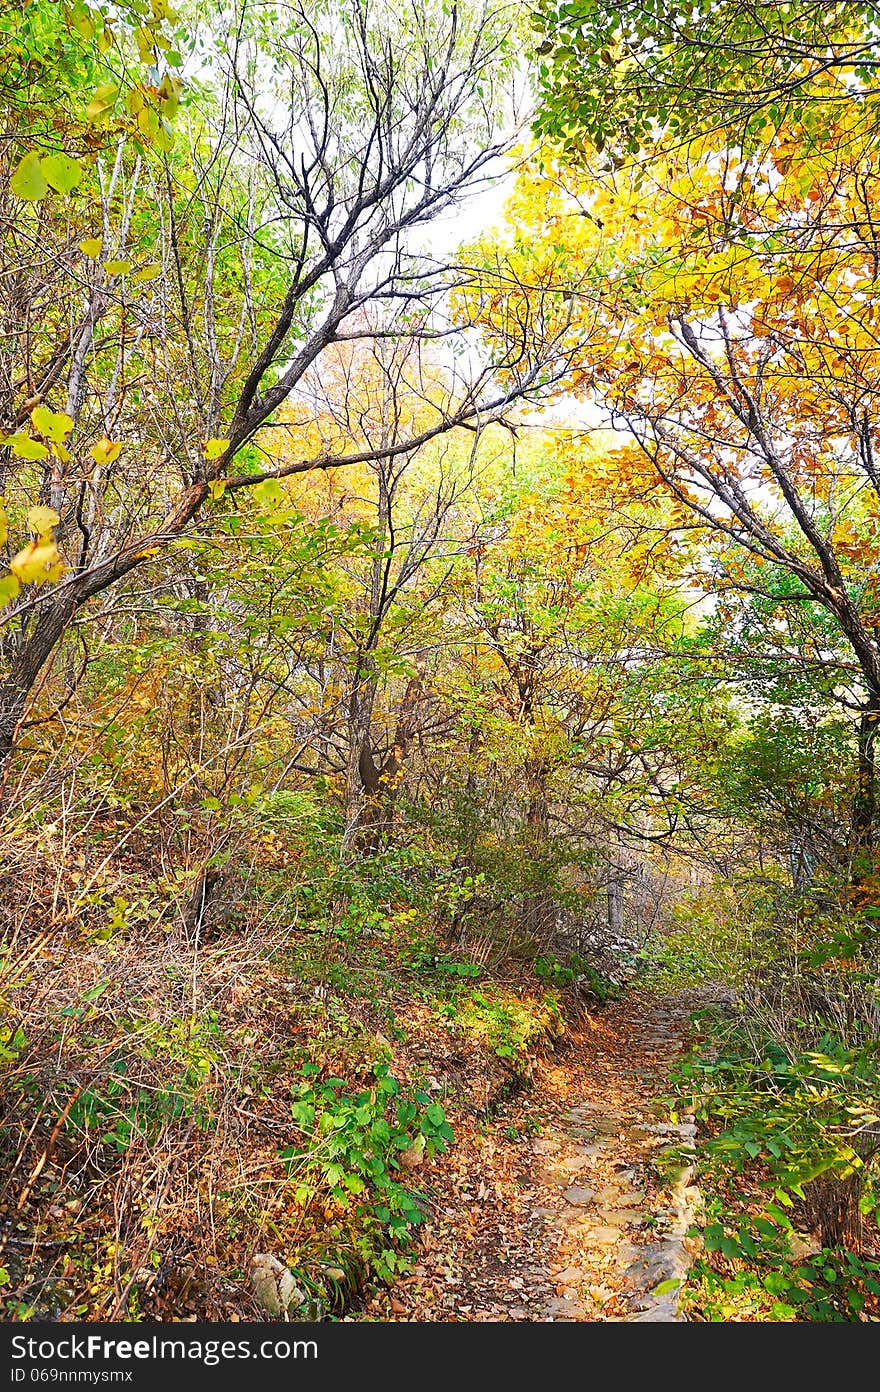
pixel 537 912
pixel 25 667
pixel 370 788
pixel 864 814
pixel 832 1208
pixel 615 895
pixel 30 657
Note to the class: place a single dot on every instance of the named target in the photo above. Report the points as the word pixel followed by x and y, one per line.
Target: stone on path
pixel 578 1196
pixel 605 1237
pixel 560 1307
pixel 574 1163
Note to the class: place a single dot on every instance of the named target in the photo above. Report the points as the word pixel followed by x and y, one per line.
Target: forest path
pixel 578 1222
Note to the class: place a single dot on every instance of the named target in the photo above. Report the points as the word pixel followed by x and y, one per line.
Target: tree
pixel 579 729
pixel 617 76
pixel 371 394
pixel 156 350
pixel 736 343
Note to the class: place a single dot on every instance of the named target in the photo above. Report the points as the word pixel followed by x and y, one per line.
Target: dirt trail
pixel 577 1222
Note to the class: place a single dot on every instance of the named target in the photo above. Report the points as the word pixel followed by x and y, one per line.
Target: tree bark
pixel 537 910
pixel 614 894
pixel 371 787
pixel 864 814
pixel 27 662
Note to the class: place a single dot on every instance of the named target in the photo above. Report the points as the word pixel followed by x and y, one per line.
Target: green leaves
pixel 359 1145
pixel 28 180
pixel 613 75
pixel 33 177
pixel 62 173
pixel 269 493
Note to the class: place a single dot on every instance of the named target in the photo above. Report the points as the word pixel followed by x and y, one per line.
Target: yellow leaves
pixel 52 425
pixel 91 247
pixel 10 588
pixel 4 524
pixel 42 519
pixel 37 563
pixel 102 103
pixel 146 44
pixel 170 91
pixel 134 101
pixel 148 122
pixel 105 451
pixel 120 267
pixel 24 447
pixel 214 449
pixel 216 489
pixel 40 561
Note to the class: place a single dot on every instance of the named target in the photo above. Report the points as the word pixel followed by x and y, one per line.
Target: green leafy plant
pixel 506 1023
pixel 353 1150
pixel 563 974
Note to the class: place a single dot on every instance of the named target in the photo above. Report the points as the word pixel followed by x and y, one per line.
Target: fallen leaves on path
pixel 550 1210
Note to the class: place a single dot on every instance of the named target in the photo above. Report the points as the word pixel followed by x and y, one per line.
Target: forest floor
pixel 563 1215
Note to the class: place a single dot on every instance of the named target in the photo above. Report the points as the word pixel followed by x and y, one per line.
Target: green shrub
pixel 351 1153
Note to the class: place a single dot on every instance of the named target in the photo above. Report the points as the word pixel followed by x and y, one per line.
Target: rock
pixel 663 1310
pixel 615 1217
pixel 605 1237
pixel 608 1126
pixel 609 1192
pixel 803 1245
pixel 578 1196
pixel 275 1290
pixel 561 1308
pixel 574 1163
pixel 678 1173
pixel 413 1156
pixel 625 1255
